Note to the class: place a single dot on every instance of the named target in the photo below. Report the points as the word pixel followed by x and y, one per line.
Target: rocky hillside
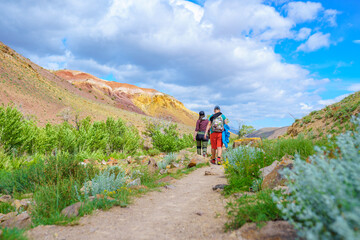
pixel 129 97
pixel 333 119
pixel 47 97
pixel 268 133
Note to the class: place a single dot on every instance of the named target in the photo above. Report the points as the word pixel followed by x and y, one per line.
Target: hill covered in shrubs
pixel 333 119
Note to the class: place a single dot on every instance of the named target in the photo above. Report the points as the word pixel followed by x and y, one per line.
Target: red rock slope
pixel 130 97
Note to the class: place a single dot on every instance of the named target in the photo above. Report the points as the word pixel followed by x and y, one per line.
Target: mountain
pixel 43 95
pixel 130 97
pixel 333 119
pixel 268 133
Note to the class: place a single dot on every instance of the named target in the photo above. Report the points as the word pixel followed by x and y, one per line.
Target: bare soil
pixel 187 209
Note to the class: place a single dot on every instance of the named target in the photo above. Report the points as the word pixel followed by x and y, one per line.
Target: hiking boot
pixel 213 161
pixel 218 161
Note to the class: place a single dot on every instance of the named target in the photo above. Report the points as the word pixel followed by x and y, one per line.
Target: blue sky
pixel 260 60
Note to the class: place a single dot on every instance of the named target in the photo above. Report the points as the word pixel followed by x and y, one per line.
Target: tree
pixel 245 129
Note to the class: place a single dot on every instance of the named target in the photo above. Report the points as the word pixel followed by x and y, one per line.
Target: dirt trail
pixel 190 209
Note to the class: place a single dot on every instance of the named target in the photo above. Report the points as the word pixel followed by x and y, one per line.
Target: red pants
pixel 216 140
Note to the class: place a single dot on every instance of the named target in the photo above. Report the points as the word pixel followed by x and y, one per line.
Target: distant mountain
pixel 50 97
pixel 268 133
pixel 130 97
pixel 333 119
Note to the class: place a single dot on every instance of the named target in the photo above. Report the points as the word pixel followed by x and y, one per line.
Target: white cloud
pixel 233 18
pixel 222 53
pixel 354 88
pixel 332 101
pixel 357 41
pixel 306 107
pixel 330 16
pixel 303 34
pixel 303 11
pixel 315 42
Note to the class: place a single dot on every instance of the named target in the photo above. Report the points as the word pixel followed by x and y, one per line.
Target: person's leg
pixel 219 148
pixel 219 152
pixel 198 147
pixel 204 147
pixel 213 147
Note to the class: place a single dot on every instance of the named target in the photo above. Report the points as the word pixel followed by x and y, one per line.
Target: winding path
pixel 188 209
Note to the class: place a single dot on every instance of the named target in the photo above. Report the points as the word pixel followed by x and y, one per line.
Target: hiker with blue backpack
pixel 219 134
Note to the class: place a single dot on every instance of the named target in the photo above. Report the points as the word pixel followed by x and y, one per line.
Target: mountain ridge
pixel 130 97
pixel 47 97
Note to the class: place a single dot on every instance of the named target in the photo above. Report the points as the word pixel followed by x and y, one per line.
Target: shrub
pixel 51 199
pixel 45 171
pixel 166 138
pixel 17 135
pixel 6 208
pixel 276 149
pixel 325 196
pixel 242 167
pixel 258 208
pixel 111 179
pixel 20 136
pixel 12 234
pixel 168 159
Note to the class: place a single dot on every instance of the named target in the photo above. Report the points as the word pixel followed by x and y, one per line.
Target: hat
pixel 201 113
pixel 216 107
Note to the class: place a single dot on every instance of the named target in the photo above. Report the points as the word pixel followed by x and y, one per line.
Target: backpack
pixel 217 124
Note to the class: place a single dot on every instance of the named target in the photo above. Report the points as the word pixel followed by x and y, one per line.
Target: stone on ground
pixel 6 198
pixel 275 178
pixel 197 160
pixel 72 210
pixel 273 230
pixel 266 170
pixel 22 220
pixel 166 179
pixel 23 204
pixel 152 165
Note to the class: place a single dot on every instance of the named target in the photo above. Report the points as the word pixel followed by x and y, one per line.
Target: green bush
pixel 19 136
pixel 12 234
pixel 325 199
pixel 6 208
pixel 168 159
pixel 167 138
pixel 110 180
pixel 242 167
pixel 258 208
pixel 51 199
pixel 276 149
pixel 45 171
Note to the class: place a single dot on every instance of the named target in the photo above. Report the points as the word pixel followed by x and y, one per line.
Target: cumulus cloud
pixel 330 16
pixel 316 41
pixel 303 34
pixel 219 53
pixel 303 11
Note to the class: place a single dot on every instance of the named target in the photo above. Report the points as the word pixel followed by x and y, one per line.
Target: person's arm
pixel 196 129
pixel 226 121
pixel 207 129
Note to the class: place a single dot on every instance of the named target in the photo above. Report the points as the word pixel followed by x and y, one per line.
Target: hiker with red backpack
pixel 199 135
pixel 216 126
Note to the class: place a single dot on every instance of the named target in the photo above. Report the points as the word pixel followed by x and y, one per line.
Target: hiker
pixel 216 126
pixel 199 135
